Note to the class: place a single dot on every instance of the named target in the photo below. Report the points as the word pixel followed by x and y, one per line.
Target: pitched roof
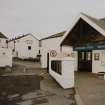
pixel 19 37
pixel 98 24
pixel 2 35
pixel 60 34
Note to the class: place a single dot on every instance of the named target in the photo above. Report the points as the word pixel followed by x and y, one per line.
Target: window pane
pixel 88 56
pixel 82 55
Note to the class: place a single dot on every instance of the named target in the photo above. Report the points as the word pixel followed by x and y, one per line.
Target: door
pixel 47 62
pixel 85 61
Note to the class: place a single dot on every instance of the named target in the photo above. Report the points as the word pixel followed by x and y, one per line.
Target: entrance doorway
pixel 85 61
pixel 47 62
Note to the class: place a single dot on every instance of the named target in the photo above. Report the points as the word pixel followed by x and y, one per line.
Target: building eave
pixel 88 20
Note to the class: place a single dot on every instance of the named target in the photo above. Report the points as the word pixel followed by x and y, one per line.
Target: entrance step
pixel 101 75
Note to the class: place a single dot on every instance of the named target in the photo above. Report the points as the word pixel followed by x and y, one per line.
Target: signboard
pixel 90 47
pixel 53 53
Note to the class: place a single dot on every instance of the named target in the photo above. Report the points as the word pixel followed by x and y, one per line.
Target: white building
pixel 86 39
pixel 5 52
pixel 47 44
pixel 24 47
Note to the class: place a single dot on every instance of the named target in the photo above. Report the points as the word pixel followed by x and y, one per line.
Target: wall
pixel 98 65
pixel 52 44
pixel 47 46
pixel 3 43
pixel 68 49
pixel 66 78
pixel 5 57
pixel 21 47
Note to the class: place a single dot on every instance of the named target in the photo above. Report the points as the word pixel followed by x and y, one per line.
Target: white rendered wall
pixel 5 57
pixel 3 43
pixel 67 57
pixel 69 49
pixel 66 79
pixel 98 65
pixel 47 46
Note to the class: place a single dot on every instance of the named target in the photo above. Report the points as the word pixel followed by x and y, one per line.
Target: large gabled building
pixel 25 46
pixel 87 38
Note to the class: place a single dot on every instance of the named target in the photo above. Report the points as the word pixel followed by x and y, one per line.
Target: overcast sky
pixel 44 17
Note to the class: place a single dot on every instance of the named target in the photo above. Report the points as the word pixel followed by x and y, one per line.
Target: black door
pixel 47 62
pixel 85 61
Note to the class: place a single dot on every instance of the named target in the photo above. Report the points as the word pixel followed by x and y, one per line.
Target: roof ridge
pixel 59 34
pixel 3 36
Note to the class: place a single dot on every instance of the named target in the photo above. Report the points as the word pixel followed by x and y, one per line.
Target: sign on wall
pixel 69 54
pixel 28 41
pixel 103 58
pixel 90 47
pixel 53 53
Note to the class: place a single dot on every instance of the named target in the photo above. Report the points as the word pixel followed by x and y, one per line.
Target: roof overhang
pixel 88 20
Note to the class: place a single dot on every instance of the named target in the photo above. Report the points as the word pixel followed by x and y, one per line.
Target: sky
pixel 44 17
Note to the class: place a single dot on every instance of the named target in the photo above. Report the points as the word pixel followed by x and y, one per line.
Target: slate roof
pixel 54 36
pixel 99 22
pixel 2 35
pixel 19 37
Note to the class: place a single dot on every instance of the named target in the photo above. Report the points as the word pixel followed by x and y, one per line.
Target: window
pixel 88 56
pixel 56 66
pixel 96 56
pixel 29 47
pixel 83 56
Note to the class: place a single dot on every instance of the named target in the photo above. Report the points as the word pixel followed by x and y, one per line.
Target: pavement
pixel 50 93
pixel 90 89
pixel 60 96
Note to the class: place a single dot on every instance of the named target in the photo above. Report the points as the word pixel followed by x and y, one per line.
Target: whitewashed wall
pixel 98 65
pixel 21 47
pixel 3 43
pixel 52 44
pixel 69 49
pixel 5 57
pixel 48 45
pixel 66 78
